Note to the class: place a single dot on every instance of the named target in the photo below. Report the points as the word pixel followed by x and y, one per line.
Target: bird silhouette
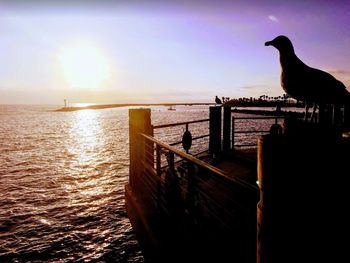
pixel 301 82
pixel 217 100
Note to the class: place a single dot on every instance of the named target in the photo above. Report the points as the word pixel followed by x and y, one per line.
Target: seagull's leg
pixel 306 111
pixel 313 113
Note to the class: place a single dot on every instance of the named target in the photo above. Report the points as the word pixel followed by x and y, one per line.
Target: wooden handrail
pixel 219 173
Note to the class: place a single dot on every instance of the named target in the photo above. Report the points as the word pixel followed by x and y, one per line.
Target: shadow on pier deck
pixel 215 221
pixel 243 164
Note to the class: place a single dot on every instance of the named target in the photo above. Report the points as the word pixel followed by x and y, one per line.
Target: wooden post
pixel 139 122
pixel 215 130
pixel 302 198
pixel 227 130
pixel 267 172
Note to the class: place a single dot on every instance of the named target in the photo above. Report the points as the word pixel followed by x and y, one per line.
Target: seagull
pixel 301 82
pixel 217 100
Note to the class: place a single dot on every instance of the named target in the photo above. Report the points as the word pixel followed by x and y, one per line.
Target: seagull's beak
pixel 268 43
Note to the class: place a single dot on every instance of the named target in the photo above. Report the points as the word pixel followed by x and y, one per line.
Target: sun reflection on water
pixel 87 141
pixel 86 132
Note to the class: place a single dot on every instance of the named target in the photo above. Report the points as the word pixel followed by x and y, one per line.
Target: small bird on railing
pixel 301 82
pixel 217 100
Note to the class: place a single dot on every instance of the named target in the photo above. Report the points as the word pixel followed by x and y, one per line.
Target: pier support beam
pixel 139 122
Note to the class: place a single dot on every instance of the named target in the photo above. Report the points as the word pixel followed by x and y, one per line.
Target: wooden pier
pixel 209 208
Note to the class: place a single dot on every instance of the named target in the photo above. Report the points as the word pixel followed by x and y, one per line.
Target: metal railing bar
pixel 251 131
pixel 195 138
pixel 177 124
pixel 199 153
pixel 214 170
pixel 245 145
pixel 260 117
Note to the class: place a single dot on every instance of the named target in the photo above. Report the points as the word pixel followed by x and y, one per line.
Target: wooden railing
pixel 178 189
pixel 228 139
pixel 198 195
pixel 162 148
pixel 194 204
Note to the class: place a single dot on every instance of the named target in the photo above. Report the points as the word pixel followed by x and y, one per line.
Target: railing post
pixel 233 134
pixel 139 122
pixel 158 159
pixel 171 162
pixel 227 129
pixel 215 130
pixel 191 177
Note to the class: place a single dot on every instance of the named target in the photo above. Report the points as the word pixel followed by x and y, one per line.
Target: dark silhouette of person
pixel 303 83
pixel 217 100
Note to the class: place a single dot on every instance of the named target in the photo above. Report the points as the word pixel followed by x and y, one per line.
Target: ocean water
pixel 62 178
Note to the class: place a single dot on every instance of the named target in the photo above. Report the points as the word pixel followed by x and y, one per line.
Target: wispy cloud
pixel 339 72
pixel 250 87
pixel 273 18
pixel 342 75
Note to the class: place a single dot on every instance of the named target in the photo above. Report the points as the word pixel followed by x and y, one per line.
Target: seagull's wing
pixel 325 87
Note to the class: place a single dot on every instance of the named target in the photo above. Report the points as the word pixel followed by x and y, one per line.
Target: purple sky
pixel 183 51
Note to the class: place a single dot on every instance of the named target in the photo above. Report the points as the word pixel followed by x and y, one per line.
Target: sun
pixel 84 65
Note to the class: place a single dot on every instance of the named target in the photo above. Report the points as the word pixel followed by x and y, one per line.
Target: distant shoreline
pixel 106 106
pixel 118 105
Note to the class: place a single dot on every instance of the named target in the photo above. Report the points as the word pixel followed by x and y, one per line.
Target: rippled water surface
pixel 62 177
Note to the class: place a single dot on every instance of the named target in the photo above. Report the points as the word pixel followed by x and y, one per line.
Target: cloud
pixel 273 18
pixel 342 75
pixel 251 87
pixel 338 72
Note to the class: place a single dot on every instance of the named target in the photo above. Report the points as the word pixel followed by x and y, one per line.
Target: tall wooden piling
pixel 301 215
pixel 215 130
pixel 139 122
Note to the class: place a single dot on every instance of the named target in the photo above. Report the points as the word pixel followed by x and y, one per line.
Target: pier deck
pixel 206 208
pixel 241 164
pixel 219 226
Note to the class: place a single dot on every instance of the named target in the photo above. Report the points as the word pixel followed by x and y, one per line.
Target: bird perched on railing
pixel 217 100
pixel 301 82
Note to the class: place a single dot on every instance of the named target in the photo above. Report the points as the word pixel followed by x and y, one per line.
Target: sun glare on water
pixel 84 65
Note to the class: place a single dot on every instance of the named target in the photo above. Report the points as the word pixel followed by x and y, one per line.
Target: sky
pixel 162 51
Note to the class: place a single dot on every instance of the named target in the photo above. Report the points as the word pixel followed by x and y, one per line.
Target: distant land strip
pixel 106 106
